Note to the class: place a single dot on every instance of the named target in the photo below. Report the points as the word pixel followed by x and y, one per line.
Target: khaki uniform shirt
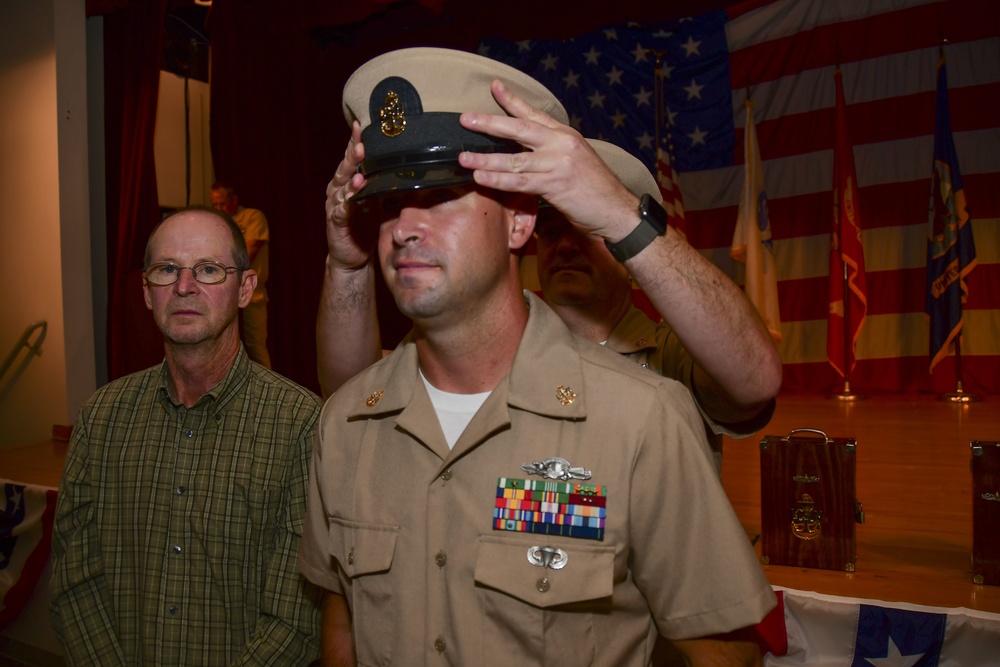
pixel 655 346
pixel 411 533
pixel 253 224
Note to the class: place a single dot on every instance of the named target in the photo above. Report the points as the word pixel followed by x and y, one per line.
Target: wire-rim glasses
pixel 207 273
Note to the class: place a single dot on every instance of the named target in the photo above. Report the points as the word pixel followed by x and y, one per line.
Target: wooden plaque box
pixel 985 512
pixel 808 505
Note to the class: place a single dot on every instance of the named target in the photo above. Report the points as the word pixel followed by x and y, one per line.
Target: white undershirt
pixel 454 411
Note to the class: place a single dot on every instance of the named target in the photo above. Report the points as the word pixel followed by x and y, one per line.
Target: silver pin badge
pixel 549 557
pixel 555 468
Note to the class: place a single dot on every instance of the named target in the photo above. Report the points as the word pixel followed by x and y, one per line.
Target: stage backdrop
pixel 278 132
pixel 783 56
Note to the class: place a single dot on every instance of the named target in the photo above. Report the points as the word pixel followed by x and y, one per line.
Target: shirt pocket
pixel 238 523
pixel 552 608
pixel 365 552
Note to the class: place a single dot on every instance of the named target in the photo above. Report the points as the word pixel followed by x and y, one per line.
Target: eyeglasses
pixel 207 273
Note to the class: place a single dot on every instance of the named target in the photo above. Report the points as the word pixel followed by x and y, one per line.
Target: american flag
pixel 661 93
pixel 783 54
pixel 26 516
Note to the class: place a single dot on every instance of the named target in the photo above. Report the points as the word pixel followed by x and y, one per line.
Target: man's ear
pixel 247 285
pixel 523 209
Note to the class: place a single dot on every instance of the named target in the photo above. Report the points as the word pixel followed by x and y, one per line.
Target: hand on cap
pixel 559 166
pixel 345 250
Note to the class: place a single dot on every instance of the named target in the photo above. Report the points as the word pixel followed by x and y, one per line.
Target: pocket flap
pixel 362 548
pixel 588 573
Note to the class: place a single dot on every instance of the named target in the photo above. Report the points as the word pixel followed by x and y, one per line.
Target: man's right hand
pixel 348 248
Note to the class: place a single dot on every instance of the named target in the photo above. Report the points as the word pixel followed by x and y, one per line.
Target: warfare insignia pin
pixel 565 395
pixel 392 116
pixel 555 468
pixel 375 397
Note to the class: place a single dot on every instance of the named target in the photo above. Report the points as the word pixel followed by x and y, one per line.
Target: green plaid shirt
pixel 177 529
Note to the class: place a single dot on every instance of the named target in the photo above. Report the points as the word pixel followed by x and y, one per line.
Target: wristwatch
pixel 652 223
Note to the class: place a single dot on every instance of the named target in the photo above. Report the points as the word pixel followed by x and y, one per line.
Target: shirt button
pixel 350 557
pixel 181 490
pixel 440 559
pixel 446 475
pixel 543 585
pixel 173 609
pixel 439 645
pixel 177 548
pixel 190 434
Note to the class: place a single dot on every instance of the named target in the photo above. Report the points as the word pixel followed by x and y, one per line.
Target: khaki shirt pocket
pixel 365 552
pixel 551 610
pixel 588 572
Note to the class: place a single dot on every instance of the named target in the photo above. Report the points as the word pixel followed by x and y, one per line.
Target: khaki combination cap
pixel 408 103
pixel 629 169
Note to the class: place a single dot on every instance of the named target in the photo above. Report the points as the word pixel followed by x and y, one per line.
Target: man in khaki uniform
pixel 729 363
pixel 711 338
pixel 253 224
pixel 592 292
pixel 499 489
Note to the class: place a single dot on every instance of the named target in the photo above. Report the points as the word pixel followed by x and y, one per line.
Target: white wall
pixel 45 266
pixel 169 143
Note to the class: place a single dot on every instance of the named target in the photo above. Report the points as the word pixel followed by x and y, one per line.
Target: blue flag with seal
pixel 951 251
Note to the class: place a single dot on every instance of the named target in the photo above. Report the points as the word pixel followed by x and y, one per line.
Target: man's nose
pixel 186 282
pixel 410 226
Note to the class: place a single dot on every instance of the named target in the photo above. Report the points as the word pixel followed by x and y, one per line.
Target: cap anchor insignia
pixel 392 116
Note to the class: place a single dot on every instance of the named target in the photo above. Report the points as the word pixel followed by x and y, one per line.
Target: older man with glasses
pixel 181 505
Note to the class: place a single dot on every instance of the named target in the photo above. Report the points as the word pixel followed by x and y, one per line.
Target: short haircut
pixel 219 186
pixel 240 256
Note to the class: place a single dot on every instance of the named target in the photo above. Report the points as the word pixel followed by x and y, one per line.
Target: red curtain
pixel 278 132
pixel 133 47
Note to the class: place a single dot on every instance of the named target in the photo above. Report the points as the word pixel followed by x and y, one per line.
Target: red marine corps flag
pixel 848 298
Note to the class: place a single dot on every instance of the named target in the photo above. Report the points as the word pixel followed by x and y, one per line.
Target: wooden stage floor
pixel 912 476
pixel 914 480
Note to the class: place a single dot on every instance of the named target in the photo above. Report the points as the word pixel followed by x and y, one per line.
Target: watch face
pixel 651 211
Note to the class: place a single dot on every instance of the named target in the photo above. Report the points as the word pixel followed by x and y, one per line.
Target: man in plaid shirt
pixel 182 500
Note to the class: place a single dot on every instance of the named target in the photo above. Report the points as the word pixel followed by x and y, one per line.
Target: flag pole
pixel 846 394
pixel 959 395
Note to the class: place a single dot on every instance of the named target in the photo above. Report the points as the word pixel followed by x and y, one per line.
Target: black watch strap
pixel 652 223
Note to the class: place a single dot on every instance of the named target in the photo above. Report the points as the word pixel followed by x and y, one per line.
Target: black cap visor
pixel 424 156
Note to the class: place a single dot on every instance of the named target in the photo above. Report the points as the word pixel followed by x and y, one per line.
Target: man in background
pixel 182 498
pixel 253 224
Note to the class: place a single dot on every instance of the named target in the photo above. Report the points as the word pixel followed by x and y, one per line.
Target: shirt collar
pixel 223 393
pixel 634 332
pixel 545 377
